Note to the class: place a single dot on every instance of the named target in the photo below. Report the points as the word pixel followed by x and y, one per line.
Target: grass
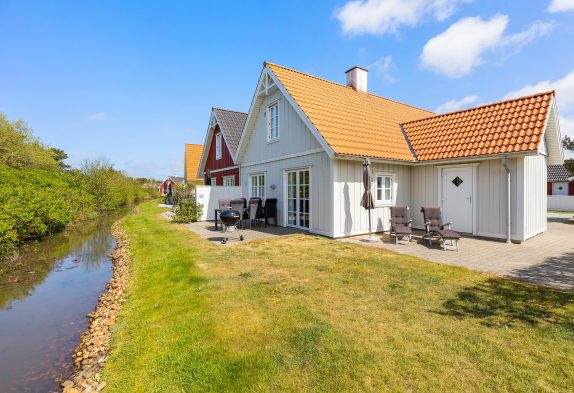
pixel 308 314
pixel 561 211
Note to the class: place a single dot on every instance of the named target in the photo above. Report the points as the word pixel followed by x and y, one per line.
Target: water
pixel 44 298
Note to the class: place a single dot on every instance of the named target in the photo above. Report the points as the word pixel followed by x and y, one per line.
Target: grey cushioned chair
pixel 400 223
pixel 435 227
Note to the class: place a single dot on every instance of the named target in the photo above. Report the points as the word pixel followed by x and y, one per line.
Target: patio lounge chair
pixel 400 223
pixel 435 227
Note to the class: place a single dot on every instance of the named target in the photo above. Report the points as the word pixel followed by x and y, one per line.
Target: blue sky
pixel 134 81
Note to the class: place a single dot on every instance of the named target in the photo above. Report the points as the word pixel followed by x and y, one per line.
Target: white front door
pixel 298 195
pixel 457 199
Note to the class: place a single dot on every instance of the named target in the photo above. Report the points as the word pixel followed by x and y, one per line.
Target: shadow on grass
pixel 555 271
pixel 499 302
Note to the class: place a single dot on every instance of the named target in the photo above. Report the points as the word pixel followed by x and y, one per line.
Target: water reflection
pixel 44 297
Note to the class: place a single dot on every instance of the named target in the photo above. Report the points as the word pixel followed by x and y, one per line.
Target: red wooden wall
pixel 230 172
pixel 225 161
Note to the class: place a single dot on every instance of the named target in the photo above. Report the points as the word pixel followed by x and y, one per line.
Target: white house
pixel 305 138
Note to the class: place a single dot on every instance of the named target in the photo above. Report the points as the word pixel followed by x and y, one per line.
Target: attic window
pixel 218 146
pixel 273 122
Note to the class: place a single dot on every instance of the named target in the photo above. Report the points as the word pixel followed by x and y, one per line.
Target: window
pixel 229 180
pixel 384 192
pixel 218 146
pixel 273 122
pixel 257 185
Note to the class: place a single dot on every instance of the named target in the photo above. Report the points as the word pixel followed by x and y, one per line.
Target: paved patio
pixel 206 230
pixel 547 259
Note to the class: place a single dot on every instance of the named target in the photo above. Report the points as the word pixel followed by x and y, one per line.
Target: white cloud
pixel 454 105
pixel 564 98
pixel 98 116
pixel 462 47
pixel 384 68
pixel 561 6
pixel 384 16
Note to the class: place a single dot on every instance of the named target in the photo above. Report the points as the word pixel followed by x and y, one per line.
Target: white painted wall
pixel 294 136
pixel 208 196
pixel 321 202
pixel 535 200
pixel 561 203
pixel 349 217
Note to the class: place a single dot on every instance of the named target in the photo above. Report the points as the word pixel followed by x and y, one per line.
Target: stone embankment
pixel 92 351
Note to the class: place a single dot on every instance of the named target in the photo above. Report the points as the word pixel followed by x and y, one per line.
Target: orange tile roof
pixel 192 158
pixel 353 123
pixel 510 126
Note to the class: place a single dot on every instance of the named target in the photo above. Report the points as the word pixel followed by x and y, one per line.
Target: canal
pixel 45 294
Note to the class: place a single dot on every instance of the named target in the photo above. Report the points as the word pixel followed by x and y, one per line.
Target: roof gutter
pixel 508 200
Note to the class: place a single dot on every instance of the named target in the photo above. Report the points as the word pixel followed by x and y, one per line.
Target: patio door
pixel 457 184
pixel 298 195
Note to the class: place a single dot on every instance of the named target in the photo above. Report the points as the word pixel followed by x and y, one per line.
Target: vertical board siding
pixel 321 201
pixel 535 195
pixel 226 159
pixel 424 191
pixel 294 136
pixel 492 198
pixel 552 139
pixel 350 218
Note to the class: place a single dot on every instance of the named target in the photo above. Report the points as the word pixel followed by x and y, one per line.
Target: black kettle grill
pixel 230 218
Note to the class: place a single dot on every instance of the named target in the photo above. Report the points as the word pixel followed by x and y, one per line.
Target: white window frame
pixel 229 181
pixel 273 129
pixel 257 190
pixel 383 201
pixel 218 146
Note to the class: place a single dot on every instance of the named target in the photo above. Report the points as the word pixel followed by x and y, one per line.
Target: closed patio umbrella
pixel 367 201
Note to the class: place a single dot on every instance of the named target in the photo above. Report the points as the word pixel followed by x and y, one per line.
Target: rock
pixel 91 353
pixel 67 383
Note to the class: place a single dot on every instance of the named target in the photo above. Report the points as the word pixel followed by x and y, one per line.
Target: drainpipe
pixel 508 224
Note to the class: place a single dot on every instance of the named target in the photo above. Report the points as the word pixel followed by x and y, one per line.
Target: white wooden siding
pixel 294 136
pixel 553 138
pixel 535 202
pixel 321 202
pixel 492 199
pixel 424 192
pixel 350 218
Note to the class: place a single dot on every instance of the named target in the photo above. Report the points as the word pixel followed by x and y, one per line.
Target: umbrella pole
pixel 370 234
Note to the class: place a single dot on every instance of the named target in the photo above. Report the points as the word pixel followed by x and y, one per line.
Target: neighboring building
pixel 560 181
pixel 305 138
pixel 192 158
pixel 217 165
pixel 167 185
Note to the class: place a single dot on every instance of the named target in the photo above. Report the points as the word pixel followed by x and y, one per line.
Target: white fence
pixel 561 202
pixel 208 196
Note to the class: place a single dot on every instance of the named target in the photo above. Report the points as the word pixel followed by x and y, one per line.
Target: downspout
pixel 508 224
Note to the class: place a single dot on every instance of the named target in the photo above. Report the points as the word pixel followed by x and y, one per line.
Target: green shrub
pixel 187 211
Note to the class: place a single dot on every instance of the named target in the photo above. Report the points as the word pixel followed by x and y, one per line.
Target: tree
pixel 568 144
pixel 60 156
pixel 19 149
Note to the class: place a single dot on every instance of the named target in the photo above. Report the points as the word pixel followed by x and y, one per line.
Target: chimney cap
pixel 361 68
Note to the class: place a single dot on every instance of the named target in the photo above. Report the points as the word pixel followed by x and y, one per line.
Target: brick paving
pixel 547 259
pixel 206 229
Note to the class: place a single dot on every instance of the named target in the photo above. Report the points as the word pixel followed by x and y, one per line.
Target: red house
pixel 217 166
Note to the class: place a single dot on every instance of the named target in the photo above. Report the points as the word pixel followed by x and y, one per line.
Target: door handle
pixel 469 199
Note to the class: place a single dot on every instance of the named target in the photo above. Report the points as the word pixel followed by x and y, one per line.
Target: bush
pixel 187 211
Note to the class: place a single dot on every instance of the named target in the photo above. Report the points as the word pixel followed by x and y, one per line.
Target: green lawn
pixel 308 314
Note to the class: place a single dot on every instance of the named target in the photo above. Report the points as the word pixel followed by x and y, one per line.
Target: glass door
pixel 298 194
